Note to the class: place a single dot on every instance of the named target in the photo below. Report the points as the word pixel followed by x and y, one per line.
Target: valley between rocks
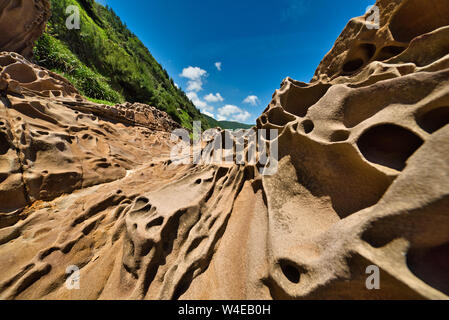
pixel 363 179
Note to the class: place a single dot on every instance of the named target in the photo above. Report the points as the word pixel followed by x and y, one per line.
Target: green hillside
pixel 107 62
pixel 229 125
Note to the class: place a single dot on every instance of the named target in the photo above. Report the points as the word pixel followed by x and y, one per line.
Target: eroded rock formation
pixel 53 141
pixel 21 24
pixel 362 180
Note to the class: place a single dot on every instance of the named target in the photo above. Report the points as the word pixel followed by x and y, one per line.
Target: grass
pixel 109 103
pixel 105 61
pixel 53 54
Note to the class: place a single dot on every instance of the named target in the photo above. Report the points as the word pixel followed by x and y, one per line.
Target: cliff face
pixel 362 180
pixel 367 181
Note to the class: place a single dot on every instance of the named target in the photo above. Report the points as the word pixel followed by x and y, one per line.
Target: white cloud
pixel 193 73
pixel 232 113
pixel 214 97
pixel 195 85
pixel 242 117
pixel 176 85
pixel 252 100
pixel 193 96
pixel 195 76
pixel 218 65
pixel 202 105
pixel 207 113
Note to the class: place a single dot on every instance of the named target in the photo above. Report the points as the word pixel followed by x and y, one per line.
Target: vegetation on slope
pixel 107 62
pixel 229 125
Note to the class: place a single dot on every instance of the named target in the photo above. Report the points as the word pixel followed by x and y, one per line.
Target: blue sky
pixel 230 56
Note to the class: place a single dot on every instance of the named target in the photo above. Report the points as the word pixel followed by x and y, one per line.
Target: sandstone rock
pixel 132 113
pixel 403 25
pixel 54 141
pixel 22 75
pixel 22 23
pixel 362 180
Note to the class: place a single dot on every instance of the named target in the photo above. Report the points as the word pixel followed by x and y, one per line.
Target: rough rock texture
pixel 363 180
pixel 21 24
pixel 136 114
pixel 53 141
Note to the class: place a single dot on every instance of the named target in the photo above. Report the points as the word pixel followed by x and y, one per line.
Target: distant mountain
pixel 106 62
pixel 230 125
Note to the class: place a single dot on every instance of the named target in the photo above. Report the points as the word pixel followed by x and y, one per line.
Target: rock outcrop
pixel 367 182
pixel 53 141
pixel 362 181
pixel 136 114
pixel 21 24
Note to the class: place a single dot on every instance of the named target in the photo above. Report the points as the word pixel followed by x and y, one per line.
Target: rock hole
pixel 102 165
pixel 88 229
pixel 278 117
pixel 389 52
pixel 295 127
pixel 195 244
pixel 389 145
pixel 368 50
pixel 142 203
pixel 155 223
pixel 298 99
pixel 339 136
pixel 183 285
pixel 308 126
pixel 353 65
pixel 434 120
pixel 290 271
pixel 4 144
pixel 6 60
pixel 431 265
pixel 61 146
pixel 21 73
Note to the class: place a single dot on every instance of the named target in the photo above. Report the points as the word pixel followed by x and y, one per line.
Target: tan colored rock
pixel 137 114
pixel 403 23
pixel 363 180
pixel 21 24
pixel 54 141
pixel 22 75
